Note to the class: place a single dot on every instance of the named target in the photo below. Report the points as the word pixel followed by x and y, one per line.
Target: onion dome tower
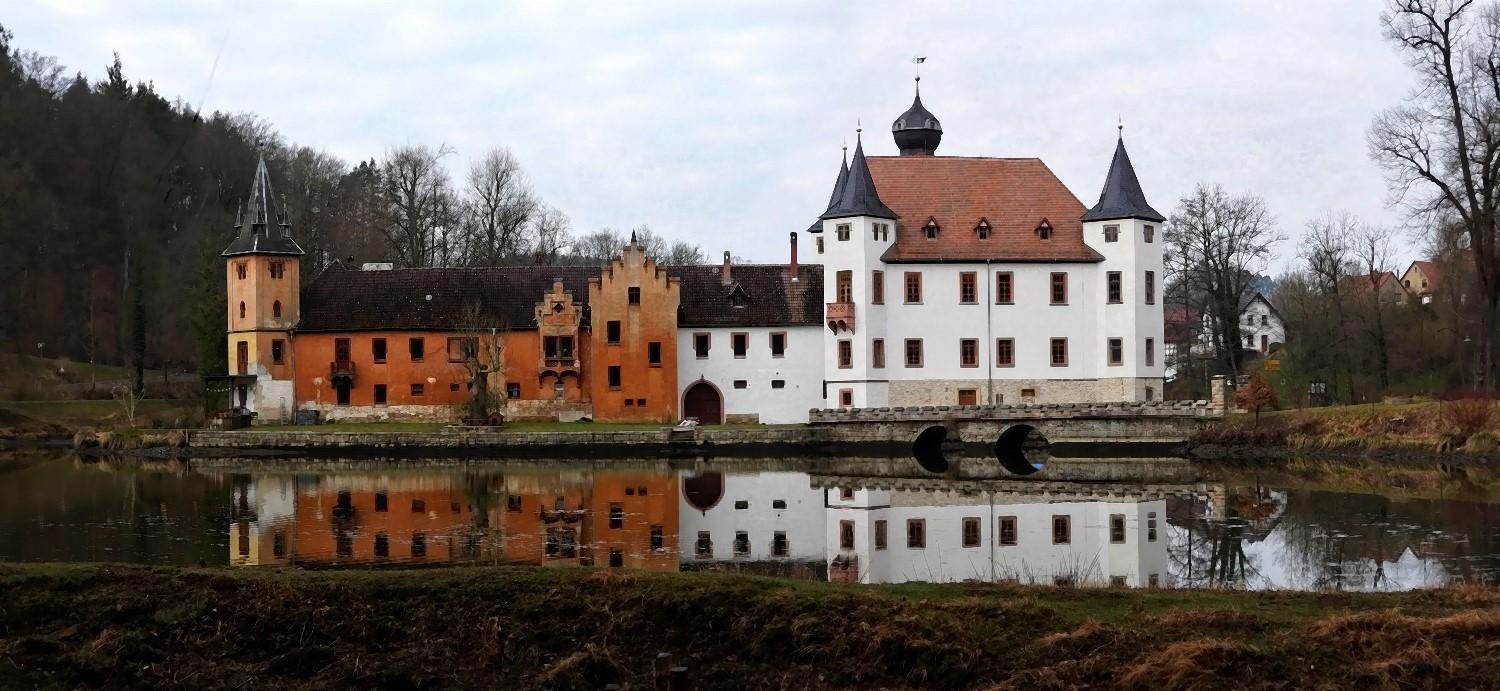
pixel 917 132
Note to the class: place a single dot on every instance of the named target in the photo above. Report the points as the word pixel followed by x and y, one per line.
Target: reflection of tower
pixel 262 520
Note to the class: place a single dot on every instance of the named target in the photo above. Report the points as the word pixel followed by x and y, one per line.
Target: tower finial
pixel 858 128
pixel 918 69
pixel 1120 123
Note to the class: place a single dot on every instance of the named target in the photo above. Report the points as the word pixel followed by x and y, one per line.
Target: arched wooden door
pixel 703 401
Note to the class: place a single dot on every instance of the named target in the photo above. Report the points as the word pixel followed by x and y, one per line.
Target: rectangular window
pixel 419 506
pixel 739 343
pixel 461 348
pixel 417 390
pixel 778 544
pixel 382 502
pixel 913 287
pixel 1059 288
pixel 1150 233
pixel 1117 528
pixel 614 376
pixel 239 270
pixel 820 245
pixel 612 331
pixel 846 354
pixel 1114 288
pixel 704 547
pixel 616 515
pixel 880 537
pixel 513 502
pixel 1005 288
pixel 968 352
pixel 877 353
pixel 1150 287
pixel 971 532
pixel 778 383
pixel 382 546
pixel 846 398
pixel 1028 395
pixel 1150 353
pixel 653 354
pixel 843 286
pixel 278 352
pixel 342 351
pixel 778 345
pixel 1116 351
pixel 1008 530
pixel 1111 233
pixel 741 383
pixel 658 538
pixel 913 352
pixel 741 544
pixel 1151 527
pixel 968 287
pixel 846 536
pixel 377 349
pixel 278 269
pixel 700 346
pixel 1062 530
pixel 633 295
pixel 1059 352
pixel 916 533
pixel 877 287
pixel 1005 352
pixel 415 347
pixel 842 230
pixel 380 394
pixel 512 389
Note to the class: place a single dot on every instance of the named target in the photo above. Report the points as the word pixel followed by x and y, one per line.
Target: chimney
pixel 793 269
pixel 726 278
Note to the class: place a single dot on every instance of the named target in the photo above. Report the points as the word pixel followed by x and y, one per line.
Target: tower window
pixel 846 354
pixel 877 287
pixel 877 353
pixel 881 231
pixel 820 245
pixel 1150 287
pixel 931 228
pixel 1111 233
pixel 242 310
pixel 239 270
pixel 843 232
pixel 1150 233
pixel 1044 231
pixel 1116 351
pixel 1113 281
pixel 614 376
pixel 633 294
pixel 278 351
pixel 612 331
pixel 1150 356
pixel 278 269
pixel 653 354
pixel 276 309
pixel 843 286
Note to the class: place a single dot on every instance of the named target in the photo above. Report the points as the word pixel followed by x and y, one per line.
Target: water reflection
pixel 825 521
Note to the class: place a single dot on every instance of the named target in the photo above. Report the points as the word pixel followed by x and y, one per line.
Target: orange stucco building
pixel 634 341
pixel 615 519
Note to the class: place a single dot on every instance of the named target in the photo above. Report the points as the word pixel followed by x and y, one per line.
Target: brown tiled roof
pixel 1013 195
pixel 770 297
pixel 1434 273
pixel 345 299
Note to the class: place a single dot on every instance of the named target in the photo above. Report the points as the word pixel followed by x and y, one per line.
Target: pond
pixel 785 517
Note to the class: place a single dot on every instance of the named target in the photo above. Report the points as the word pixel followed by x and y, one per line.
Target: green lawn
pixel 93 412
pixel 575 427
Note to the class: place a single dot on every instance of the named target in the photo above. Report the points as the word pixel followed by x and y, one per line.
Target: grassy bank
pixel 531 628
pixel 1464 427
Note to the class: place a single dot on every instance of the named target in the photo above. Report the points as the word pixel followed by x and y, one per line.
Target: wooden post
pixel 680 679
pixel 662 671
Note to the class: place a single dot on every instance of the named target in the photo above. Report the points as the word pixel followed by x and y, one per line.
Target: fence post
pixel 680 679
pixel 661 672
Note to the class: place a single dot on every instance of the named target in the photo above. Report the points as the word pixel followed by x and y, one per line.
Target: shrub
pixel 1465 417
pixel 1255 395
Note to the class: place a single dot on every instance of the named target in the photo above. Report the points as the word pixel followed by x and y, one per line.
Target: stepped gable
pixel 770 297
pixel 1014 195
pixel 345 299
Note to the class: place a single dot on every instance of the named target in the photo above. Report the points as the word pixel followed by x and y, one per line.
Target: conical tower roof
pixel 263 228
pixel 1122 196
pixel 857 196
pixel 838 190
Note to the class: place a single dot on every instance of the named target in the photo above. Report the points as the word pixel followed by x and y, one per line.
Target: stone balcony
pixel 840 317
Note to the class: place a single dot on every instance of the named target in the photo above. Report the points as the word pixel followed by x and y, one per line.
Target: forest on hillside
pixel 116 200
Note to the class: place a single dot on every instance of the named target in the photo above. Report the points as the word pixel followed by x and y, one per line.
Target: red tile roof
pixel 1013 194
pixel 1434 273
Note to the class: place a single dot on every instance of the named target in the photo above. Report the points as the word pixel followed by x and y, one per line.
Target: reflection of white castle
pixel 948 535
pixel 759 517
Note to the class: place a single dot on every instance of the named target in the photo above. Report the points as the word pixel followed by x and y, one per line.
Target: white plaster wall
pixel 800 368
pixel 1251 325
pixel 273 400
pixel 1089 557
pixel 860 255
pixel 1132 320
pixel 802 520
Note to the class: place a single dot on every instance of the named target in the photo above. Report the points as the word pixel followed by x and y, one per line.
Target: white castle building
pixel 973 280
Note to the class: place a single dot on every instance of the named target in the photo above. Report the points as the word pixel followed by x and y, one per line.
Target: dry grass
pixel 1417 428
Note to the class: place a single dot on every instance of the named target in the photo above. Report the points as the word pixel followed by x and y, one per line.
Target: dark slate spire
pixel 857 196
pixel 263 229
pixel 1122 196
pixel 917 131
pixel 838 190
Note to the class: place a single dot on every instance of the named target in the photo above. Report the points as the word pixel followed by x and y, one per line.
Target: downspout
pixel 989 340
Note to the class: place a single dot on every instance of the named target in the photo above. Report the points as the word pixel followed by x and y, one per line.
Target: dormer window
pixel 843 232
pixel 1044 231
pixel 983 229
pixel 931 228
pixel 1111 233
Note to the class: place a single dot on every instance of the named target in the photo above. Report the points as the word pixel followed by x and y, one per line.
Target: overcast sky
pixel 720 123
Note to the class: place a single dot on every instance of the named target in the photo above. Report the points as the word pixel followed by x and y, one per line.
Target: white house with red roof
pixel 970 280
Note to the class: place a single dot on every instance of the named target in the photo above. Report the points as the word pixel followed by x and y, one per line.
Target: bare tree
pixel 550 233
pixel 1441 147
pixel 499 208
pixel 483 359
pixel 684 253
pixel 1328 251
pixel 1216 244
pixel 421 208
pixel 1372 249
pixel 596 248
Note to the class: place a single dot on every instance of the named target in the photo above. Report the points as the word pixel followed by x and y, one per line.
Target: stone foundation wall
pixel 742 418
pixel 945 391
pixel 377 413
pixel 547 410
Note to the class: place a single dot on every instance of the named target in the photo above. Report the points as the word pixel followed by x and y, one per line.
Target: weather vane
pixel 918 61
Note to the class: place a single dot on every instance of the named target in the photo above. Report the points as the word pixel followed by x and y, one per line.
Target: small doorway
pixel 704 402
pixel 242 357
pixel 341 390
pixel 1265 344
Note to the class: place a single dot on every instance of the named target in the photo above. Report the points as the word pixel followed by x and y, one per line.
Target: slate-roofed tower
pixel 917 131
pixel 262 269
pixel 1124 228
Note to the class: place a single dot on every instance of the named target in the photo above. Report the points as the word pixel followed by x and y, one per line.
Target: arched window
pixel 242 310
pixel 276 309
